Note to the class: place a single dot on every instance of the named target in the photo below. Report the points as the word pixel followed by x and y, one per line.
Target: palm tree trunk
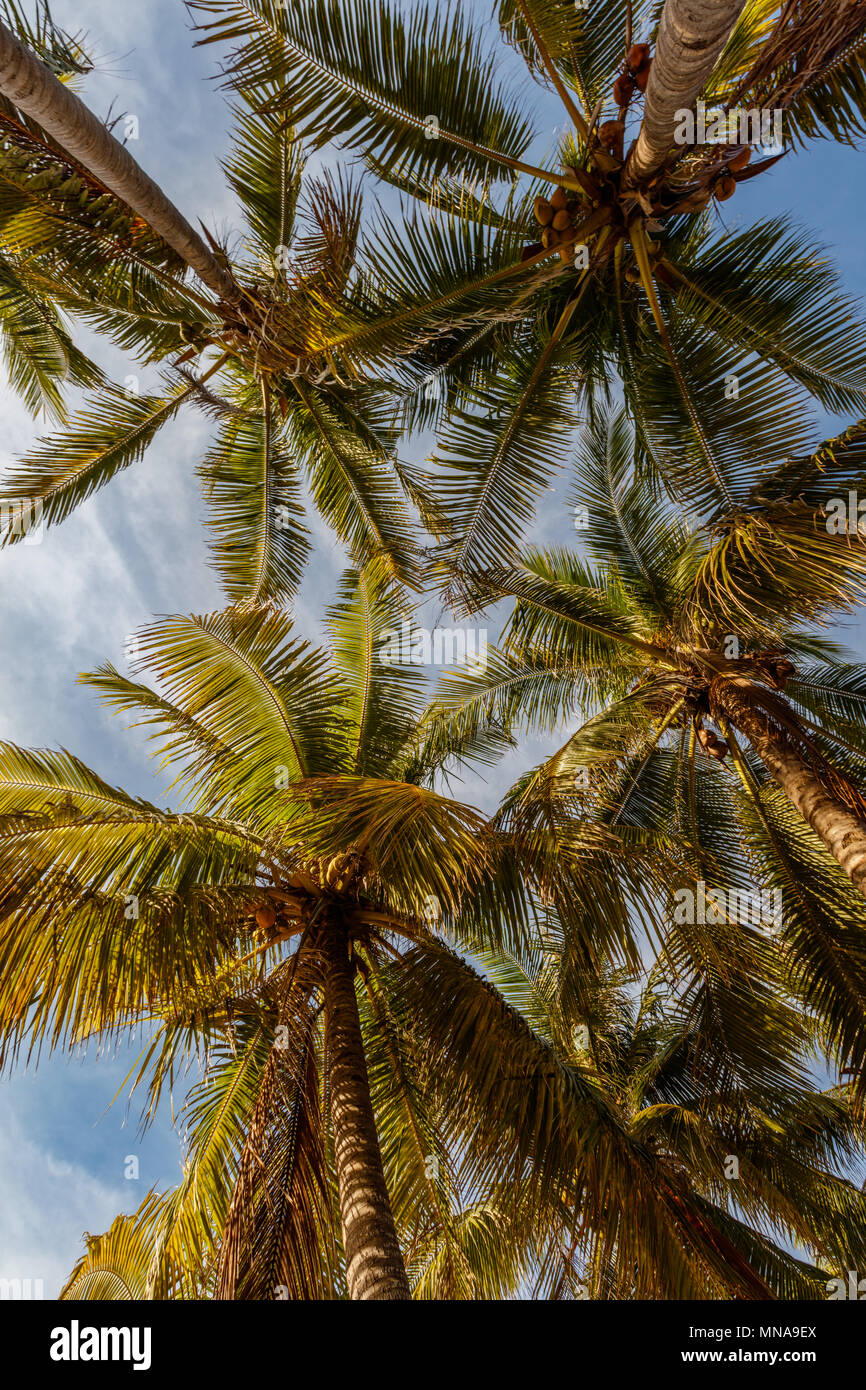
pixel 692 34
pixel 33 89
pixel 374 1263
pixel 838 829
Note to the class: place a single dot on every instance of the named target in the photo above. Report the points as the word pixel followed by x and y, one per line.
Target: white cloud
pixel 47 1205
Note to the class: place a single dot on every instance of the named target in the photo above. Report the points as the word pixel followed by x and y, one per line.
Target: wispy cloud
pixel 48 1202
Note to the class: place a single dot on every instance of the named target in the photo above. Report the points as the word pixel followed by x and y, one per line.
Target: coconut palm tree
pixel 601 259
pixel 117 1263
pixel 755 1170
pixel 39 354
pixel 88 235
pixel 716 710
pixel 641 1045
pixel 311 926
pixel 311 824
pixel 690 41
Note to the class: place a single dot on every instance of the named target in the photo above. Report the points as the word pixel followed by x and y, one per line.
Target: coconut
pixel 266 916
pixel 334 871
pixel 561 221
pixel 740 161
pixel 623 90
pixel 725 188
pixel 642 77
pixel 719 750
pixel 543 211
pixel 609 134
pixel 558 200
pixel 638 56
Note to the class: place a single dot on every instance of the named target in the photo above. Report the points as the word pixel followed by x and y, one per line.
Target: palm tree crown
pixel 629 275
pixel 103 245
pixel 681 629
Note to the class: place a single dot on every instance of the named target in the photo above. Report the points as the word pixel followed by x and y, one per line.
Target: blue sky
pixel 137 549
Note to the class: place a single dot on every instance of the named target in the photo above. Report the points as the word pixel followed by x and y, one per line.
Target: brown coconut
pixel 642 77
pixel 623 90
pixel 610 134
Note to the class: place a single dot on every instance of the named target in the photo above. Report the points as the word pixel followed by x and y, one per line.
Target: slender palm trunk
pixel 838 829
pixel 30 86
pixel 692 34
pixel 374 1263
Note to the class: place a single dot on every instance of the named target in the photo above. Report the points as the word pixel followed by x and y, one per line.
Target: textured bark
pixel 840 831
pixel 30 86
pixel 692 34
pixel 374 1263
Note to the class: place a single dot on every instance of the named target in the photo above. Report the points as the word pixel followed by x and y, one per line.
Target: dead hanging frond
pixel 810 39
pixel 326 253
pixel 277 1230
pixel 740 700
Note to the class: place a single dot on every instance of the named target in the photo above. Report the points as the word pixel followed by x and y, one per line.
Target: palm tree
pixel 664 630
pixel 313 927
pixel 310 822
pixel 598 260
pixel 39 354
pixel 669 1088
pixel 641 1045
pixel 87 234
pixel 116 1264
pixel 323 925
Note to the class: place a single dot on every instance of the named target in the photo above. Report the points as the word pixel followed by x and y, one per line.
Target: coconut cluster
pixel 281 915
pixel 774 667
pixel 558 218
pixel 725 185
pixel 634 76
pixel 285 910
pixel 341 872
pixel 604 201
